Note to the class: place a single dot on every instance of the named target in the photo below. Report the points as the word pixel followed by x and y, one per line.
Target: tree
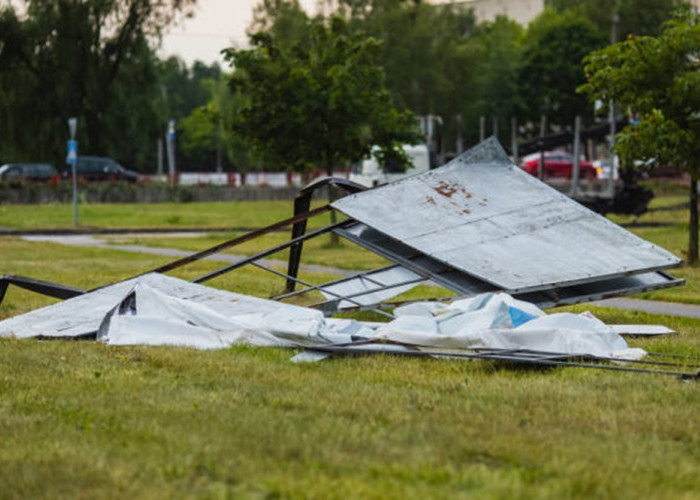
pixel 554 47
pixel 204 134
pixel 426 56
pixel 81 57
pixel 320 102
pixel 285 20
pixel 658 80
pixel 497 61
pixel 635 17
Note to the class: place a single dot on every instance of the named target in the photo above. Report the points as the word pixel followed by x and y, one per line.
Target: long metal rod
pixel 310 285
pixel 241 239
pixel 38 286
pixel 386 287
pixel 334 282
pixel 270 251
pixel 673 356
pixel 526 352
pixel 507 358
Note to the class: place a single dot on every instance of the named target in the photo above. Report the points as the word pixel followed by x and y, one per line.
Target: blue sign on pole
pixel 72 156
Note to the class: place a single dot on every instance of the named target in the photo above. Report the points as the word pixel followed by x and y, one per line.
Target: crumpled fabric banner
pixel 160 310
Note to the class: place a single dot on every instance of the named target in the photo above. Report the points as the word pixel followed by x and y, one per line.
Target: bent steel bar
pixel 533 358
pixel 42 287
pixel 270 251
pixel 302 204
pixel 239 240
pixel 315 287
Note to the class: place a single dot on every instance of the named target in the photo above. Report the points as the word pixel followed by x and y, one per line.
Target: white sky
pixel 217 24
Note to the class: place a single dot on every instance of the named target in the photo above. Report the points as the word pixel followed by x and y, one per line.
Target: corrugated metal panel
pixel 467 285
pixel 483 216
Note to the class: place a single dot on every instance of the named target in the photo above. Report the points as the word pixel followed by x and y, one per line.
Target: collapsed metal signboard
pixel 490 224
pixel 478 224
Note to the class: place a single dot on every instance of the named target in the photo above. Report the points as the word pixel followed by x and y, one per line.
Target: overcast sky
pixel 217 24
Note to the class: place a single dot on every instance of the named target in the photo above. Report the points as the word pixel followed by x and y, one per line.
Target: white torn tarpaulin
pixel 498 321
pixel 159 310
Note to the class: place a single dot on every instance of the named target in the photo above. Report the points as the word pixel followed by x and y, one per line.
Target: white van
pixel 368 172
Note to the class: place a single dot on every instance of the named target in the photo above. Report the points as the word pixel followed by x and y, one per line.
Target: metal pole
pixel 159 148
pixel 495 127
pixel 75 193
pixel 171 150
pixel 514 139
pixel 482 128
pixel 543 128
pixel 72 126
pixel 460 140
pixel 575 174
pixel 611 180
pixel 218 146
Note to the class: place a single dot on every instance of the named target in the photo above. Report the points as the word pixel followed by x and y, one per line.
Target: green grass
pixel 156 215
pixel 85 420
pixel 318 251
pixel 88 420
pixel 80 419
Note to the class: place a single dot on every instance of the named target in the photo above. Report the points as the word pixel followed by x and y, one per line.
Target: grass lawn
pixel 156 215
pixel 80 419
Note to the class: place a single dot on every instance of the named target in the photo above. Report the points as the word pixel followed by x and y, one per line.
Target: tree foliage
pixel 554 48
pixel 64 58
pixel 426 56
pixel 497 54
pixel 285 20
pixel 635 17
pixel 319 102
pixel 205 139
pixel 658 80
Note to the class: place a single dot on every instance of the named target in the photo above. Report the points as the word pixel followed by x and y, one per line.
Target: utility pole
pixel 460 141
pixel 576 167
pixel 72 160
pixel 171 151
pixel 514 140
pixel 543 131
pixel 613 131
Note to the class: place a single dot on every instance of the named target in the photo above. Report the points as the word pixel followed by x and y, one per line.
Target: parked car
pixel 557 164
pixel 97 168
pixel 35 172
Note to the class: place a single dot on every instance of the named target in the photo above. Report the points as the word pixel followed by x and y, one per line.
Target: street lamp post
pixel 613 131
pixel 72 160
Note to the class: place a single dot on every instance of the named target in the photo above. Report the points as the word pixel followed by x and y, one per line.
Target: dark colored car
pixel 35 172
pixel 557 164
pixel 97 168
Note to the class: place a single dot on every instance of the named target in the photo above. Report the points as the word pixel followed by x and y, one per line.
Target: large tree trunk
pixel 693 226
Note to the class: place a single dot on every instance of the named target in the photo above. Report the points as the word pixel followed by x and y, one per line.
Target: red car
pixel 557 164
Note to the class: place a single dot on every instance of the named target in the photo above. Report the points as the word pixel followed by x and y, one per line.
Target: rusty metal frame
pixel 302 204
pixel 56 290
